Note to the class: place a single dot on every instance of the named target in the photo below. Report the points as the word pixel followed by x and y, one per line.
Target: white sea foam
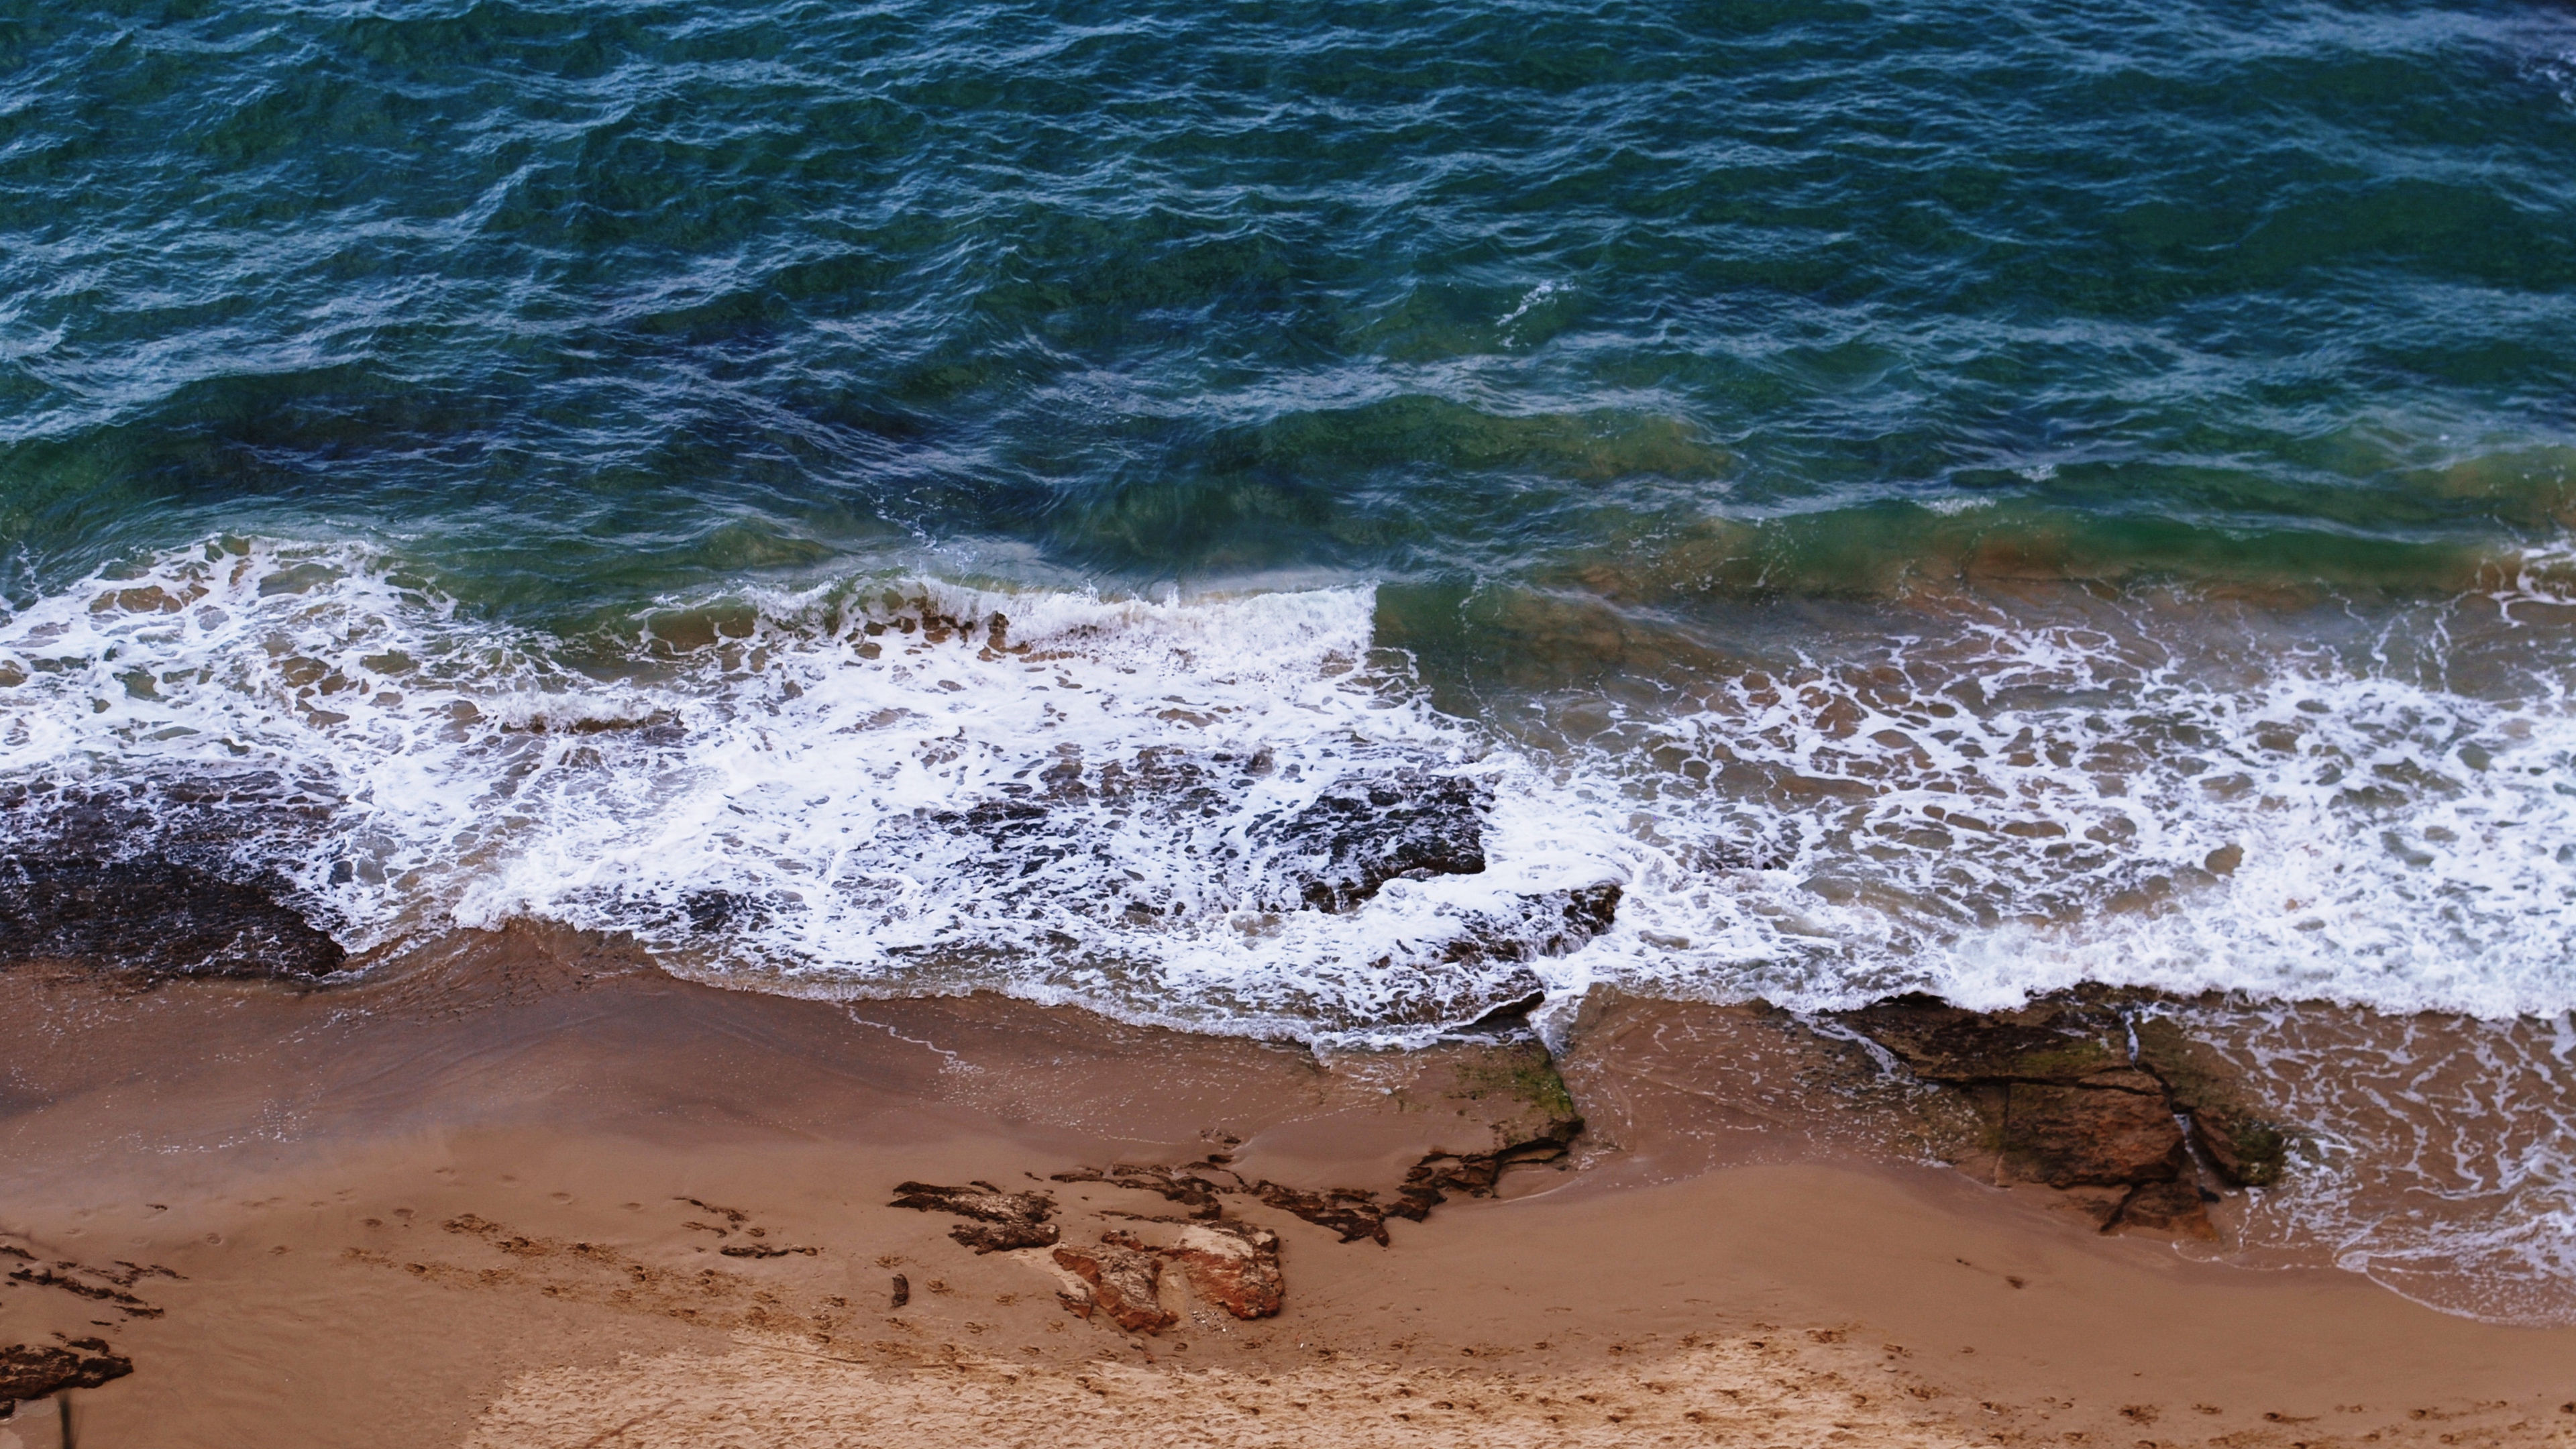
pixel 2309 834
pixel 842 793
pixel 2437 1154
pixel 1079 813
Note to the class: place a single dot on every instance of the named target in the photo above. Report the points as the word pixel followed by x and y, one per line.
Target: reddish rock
pixel 2089 1136
pixel 1125 1278
pixel 1232 1265
pixel 2084 1094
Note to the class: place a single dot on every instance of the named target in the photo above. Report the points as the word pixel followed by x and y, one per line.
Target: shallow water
pixel 1971 498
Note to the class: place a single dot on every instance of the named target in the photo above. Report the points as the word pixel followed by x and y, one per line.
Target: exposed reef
pixel 153 917
pixel 2090 1094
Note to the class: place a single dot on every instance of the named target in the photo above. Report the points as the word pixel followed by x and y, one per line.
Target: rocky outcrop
pixel 1525 1115
pixel 1002 1221
pixel 1364 831
pixel 1125 1278
pixel 2086 1094
pixel 1431 1181
pixel 1354 1213
pixel 1500 1102
pixel 1551 923
pixel 155 917
pixel 1522 1111
pixel 32 1371
pixel 1233 1265
pixel 1228 1264
pixel 1188 1185
pixel 2248 1149
pixel 1357 1214
pixel 1425 987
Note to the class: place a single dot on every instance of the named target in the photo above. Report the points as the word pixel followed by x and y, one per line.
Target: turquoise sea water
pixel 582 303
pixel 1965 496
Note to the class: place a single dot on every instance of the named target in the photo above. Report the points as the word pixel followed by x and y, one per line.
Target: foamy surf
pixel 911 785
pixel 1167 811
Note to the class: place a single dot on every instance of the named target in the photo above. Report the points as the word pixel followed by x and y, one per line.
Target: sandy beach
pixel 523 1188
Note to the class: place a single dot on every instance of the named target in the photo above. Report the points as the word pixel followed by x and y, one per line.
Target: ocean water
pixel 888 498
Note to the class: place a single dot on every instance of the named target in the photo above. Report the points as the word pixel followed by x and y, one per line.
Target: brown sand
pixel 485 1198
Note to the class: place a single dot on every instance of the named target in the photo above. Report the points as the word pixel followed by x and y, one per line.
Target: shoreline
pixel 404 1210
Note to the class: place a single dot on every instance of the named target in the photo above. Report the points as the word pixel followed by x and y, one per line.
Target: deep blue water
pixel 581 302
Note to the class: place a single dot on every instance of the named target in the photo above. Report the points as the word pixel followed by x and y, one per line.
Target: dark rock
pixel 1178 1184
pixel 1427 986
pixel 44 1277
pixel 2044 1042
pixel 1427 990
pixel 32 1371
pixel 1003 1221
pixel 2247 1149
pixel 902 1290
pixel 1435 1177
pixel 1552 923
pixel 1364 831
pixel 2063 1102
pixel 1507 1019
pixel 712 911
pixel 153 916
pixel 2088 1136
pixel 1357 1214
pixel 1125 1277
pixel 1520 1107
pixel 1354 1213
pixel 1233 1265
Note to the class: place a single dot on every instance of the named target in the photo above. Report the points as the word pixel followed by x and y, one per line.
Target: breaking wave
pixel 1238 813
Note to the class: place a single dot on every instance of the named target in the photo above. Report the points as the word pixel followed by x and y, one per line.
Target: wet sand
pixel 485 1197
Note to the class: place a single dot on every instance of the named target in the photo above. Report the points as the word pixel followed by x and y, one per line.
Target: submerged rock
pixel 1003 1221
pixel 1430 988
pixel 1364 831
pixel 153 916
pixel 1551 923
pixel 32 1371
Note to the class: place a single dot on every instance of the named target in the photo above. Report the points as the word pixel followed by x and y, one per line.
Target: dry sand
pixel 485 1197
